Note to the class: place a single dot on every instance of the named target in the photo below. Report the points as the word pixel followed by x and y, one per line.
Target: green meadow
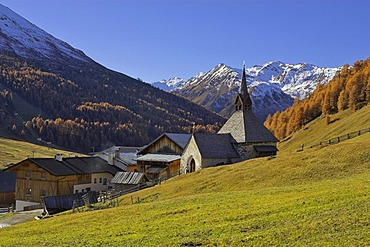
pixel 316 197
pixel 12 151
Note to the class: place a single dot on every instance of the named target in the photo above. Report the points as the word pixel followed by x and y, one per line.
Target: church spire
pixel 243 100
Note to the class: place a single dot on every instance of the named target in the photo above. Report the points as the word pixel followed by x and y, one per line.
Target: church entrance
pixel 191 165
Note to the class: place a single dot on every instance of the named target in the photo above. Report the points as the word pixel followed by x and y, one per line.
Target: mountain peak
pixel 21 37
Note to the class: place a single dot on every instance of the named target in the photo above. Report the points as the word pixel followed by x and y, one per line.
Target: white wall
pixel 19 205
pixel 191 152
pixel 98 186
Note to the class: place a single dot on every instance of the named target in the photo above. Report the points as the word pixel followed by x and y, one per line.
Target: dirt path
pixel 19 217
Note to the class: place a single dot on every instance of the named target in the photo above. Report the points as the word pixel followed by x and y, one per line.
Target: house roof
pixel 72 166
pixel 128 178
pixel 179 139
pixel 159 157
pixel 7 181
pixel 156 169
pixel 244 126
pixel 216 146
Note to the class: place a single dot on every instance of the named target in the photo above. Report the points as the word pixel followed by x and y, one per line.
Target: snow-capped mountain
pixel 19 36
pixel 273 86
pixel 168 85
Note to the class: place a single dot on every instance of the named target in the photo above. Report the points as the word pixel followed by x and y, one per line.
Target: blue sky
pixel 156 40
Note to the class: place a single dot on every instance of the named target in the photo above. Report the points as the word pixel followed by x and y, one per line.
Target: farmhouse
pixel 38 177
pixel 161 158
pixel 242 137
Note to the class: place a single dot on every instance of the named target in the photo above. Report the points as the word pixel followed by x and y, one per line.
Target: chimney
pixel 58 157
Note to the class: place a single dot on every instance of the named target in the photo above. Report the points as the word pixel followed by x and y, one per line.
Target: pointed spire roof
pixel 243 100
pixel 243 125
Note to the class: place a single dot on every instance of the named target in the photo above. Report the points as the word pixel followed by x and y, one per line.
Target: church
pixel 242 137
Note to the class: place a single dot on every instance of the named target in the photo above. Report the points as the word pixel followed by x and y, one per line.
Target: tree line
pixel 349 89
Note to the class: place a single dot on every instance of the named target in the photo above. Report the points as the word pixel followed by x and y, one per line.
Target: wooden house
pixel 38 177
pixel 242 137
pixel 160 159
pixel 7 189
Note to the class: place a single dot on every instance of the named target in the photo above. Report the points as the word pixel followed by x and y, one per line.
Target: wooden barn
pixel 7 189
pixel 39 177
pixel 242 137
pixel 160 159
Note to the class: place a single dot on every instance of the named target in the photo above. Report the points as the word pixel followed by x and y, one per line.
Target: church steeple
pixel 243 100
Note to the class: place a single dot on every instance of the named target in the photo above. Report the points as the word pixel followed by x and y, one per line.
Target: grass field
pixel 318 197
pixel 12 151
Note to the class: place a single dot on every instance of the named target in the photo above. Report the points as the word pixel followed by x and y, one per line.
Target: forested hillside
pixel 91 106
pixel 349 89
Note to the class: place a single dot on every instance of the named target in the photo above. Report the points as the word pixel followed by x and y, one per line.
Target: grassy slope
pixel 12 151
pixel 316 197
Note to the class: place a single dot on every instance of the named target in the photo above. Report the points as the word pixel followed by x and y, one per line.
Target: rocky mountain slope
pixel 273 86
pixel 72 101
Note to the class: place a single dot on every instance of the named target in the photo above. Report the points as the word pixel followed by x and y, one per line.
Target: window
pixel 76 191
pixel 94 180
pixel 105 181
pixel 28 192
pixel 82 190
pixel 43 176
pixel 28 175
pixel 100 180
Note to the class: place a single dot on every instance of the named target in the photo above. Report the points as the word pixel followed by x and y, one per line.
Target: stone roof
pixel 159 157
pixel 216 146
pixel 72 166
pixel 128 178
pixel 244 126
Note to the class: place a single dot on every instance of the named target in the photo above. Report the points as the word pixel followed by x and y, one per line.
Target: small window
pixel 94 180
pixel 76 191
pixel 105 181
pixel 100 180
pixel 82 190
pixel 28 192
pixel 43 176
pixel 28 175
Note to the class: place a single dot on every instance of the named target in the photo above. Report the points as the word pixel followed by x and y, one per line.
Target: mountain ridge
pixel 81 104
pixel 273 86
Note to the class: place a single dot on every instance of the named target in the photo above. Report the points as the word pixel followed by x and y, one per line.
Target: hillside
pixel 317 197
pixel 64 97
pixel 12 151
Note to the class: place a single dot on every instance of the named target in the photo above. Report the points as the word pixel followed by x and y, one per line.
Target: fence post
pixel 338 139
pixel 329 142
pixel 348 136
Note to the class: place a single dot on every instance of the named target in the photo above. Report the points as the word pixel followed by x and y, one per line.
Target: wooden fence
pixel 341 138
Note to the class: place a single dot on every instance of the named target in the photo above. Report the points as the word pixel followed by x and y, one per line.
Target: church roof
pixel 244 126
pixel 216 146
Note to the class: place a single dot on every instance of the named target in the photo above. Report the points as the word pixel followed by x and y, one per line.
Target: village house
pixel 160 159
pixel 242 137
pixel 39 177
